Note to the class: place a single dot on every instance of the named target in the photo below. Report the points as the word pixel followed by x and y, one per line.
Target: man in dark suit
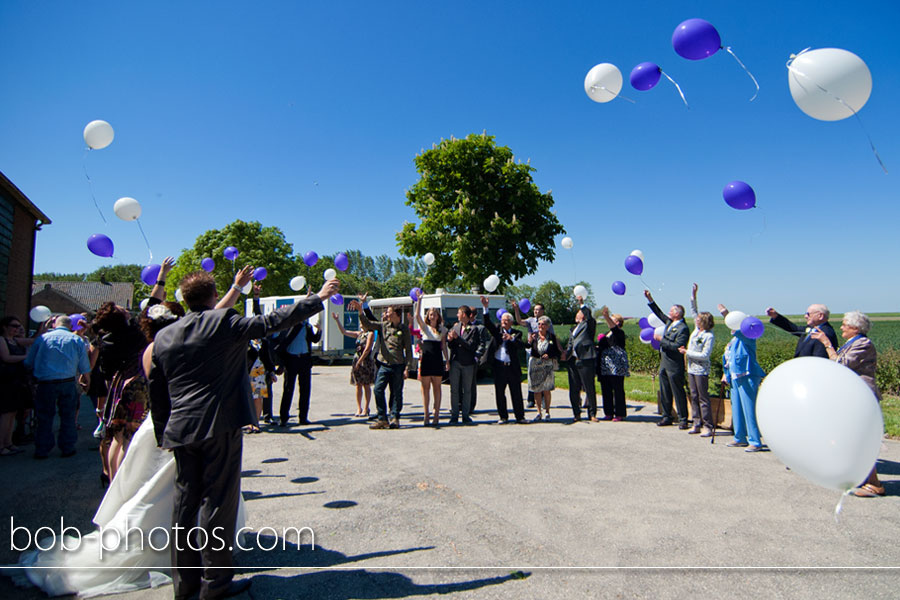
pixel 507 369
pixel 671 362
pixel 200 399
pixel 295 355
pixel 816 319
pixel 581 362
pixel 466 347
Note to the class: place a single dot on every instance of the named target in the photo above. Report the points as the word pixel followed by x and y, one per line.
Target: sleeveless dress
pixel 15 391
pixel 431 360
pixel 363 371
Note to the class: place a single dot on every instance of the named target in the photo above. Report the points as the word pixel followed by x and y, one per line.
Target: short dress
pixel 130 400
pixel 258 380
pixel 363 371
pixel 431 361
pixel 15 391
pixel 541 371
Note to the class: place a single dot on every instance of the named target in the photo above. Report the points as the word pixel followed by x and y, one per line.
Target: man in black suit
pixel 295 355
pixel 466 347
pixel 581 362
pixel 671 362
pixel 200 399
pixel 507 369
pixel 816 319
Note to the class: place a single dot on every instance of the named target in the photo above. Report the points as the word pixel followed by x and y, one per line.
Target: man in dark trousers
pixel 581 357
pixel 295 355
pixel 816 319
pixel 466 347
pixel 199 400
pixel 507 369
pixel 671 362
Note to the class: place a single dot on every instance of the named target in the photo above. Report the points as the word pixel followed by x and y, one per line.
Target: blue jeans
pixel 48 398
pixel 743 410
pixel 389 375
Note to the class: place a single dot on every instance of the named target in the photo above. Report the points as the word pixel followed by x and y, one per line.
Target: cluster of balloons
pixel 651 325
pixel 634 264
pixel 749 325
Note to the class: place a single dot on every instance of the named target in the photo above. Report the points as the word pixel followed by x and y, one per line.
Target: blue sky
pixel 308 116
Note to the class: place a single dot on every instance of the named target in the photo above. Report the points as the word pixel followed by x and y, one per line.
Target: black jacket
pixel 512 345
pixel 807 346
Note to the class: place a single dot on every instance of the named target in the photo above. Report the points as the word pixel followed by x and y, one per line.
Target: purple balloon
pixel 500 312
pixel 150 274
pixel 310 258
pixel 341 262
pixel 655 344
pixel 752 327
pixel 524 305
pixel 231 253
pixel 208 264
pixel 739 195
pixel 643 323
pixel 647 334
pixel 696 39
pixel 260 273
pixel 634 265
pixel 618 288
pixel 645 76
pixel 337 299
pixel 77 321
pixel 100 245
pixel 415 293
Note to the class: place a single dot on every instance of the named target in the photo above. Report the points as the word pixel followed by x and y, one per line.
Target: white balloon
pixel 660 331
pixel 247 288
pixel 298 282
pixel 39 313
pixel 428 259
pixel 330 274
pixel 580 290
pixel 843 74
pixel 491 283
pixel 821 420
pixel 567 243
pixel 98 134
pixel 638 253
pixel 654 321
pixel 734 319
pixel 603 82
pixel 179 297
pixel 144 303
pixel 127 209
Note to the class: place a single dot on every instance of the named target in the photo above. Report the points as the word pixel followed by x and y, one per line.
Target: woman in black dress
pixel 15 391
pixel 613 367
pixel 433 360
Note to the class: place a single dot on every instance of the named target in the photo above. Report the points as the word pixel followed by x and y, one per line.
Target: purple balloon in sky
pixel 634 265
pixel 231 253
pixel 414 293
pixel 752 327
pixel 337 299
pixel 341 262
pixel 618 288
pixel 260 273
pixel 150 274
pixel 524 305
pixel 739 195
pixel 100 245
pixel 645 76
pixel 696 39
pixel 208 264
pixel 310 258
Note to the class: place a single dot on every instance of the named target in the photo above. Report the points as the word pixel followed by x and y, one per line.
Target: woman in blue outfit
pixel 742 372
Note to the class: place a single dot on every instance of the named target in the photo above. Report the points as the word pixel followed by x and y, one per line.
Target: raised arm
pixel 159 288
pixel 340 325
pixel 694 312
pixel 519 318
pixel 656 310
pixel 604 311
pixel 418 310
pixel 241 279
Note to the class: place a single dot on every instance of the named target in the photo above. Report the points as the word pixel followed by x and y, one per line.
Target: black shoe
pixel 468 422
pixel 305 422
pixel 40 456
pixel 283 423
pixel 453 421
pixel 664 422
pixel 684 425
pixel 68 454
pixel 236 587
pixel 521 421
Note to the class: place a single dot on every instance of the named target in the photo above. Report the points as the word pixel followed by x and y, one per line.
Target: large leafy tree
pixel 480 212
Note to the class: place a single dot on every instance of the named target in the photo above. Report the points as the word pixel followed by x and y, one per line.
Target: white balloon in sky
pixel 567 243
pixel 734 319
pixel 825 82
pixel 127 209
pixel 428 259
pixel 491 283
pixel 603 82
pixel 98 134
pixel 330 274
pixel 638 253
pixel 580 290
pixel 298 282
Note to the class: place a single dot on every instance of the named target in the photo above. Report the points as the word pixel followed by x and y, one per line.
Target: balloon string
pixel 794 71
pixel 138 221
pixel 840 505
pixel 91 184
pixel 677 87
pixel 759 233
pixel 611 93
pixel 746 70
pixel 574 270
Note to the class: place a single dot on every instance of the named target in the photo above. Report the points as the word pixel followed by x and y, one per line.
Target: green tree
pixel 257 245
pixel 559 302
pixel 480 212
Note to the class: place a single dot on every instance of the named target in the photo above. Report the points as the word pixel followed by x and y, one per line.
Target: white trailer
pixel 333 344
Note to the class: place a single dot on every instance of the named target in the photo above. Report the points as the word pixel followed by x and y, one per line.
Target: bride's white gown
pixel 141 496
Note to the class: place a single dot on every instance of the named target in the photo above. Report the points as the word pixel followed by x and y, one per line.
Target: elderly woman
pixel 612 367
pixel 698 352
pixel 857 354
pixel 545 355
pixel 742 372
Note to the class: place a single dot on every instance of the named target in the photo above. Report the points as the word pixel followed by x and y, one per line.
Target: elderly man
pixel 200 400
pixel 506 367
pixel 816 320
pixel 671 362
pixel 56 359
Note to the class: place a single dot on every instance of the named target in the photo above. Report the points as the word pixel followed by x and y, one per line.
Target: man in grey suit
pixel 199 400
pixel 671 362
pixel 581 357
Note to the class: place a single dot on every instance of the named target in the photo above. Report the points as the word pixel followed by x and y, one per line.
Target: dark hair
pixel 465 308
pixel 536 304
pixel 150 327
pixel 198 289
pixel 109 318
pixel 7 320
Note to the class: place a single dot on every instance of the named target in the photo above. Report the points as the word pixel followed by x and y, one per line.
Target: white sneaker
pixel 100 432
